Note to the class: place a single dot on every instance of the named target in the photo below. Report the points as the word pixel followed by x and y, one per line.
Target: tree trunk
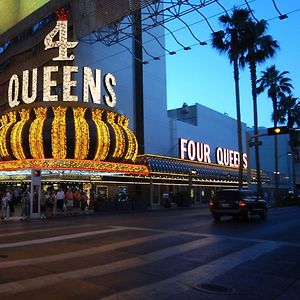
pixel 293 143
pixel 238 118
pixel 252 65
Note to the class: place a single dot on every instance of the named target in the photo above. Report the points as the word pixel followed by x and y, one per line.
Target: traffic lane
pixel 101 264
pixel 160 264
pixel 270 276
pixel 282 224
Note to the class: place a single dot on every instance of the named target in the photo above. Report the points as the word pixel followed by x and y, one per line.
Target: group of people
pixel 58 202
pixel 63 202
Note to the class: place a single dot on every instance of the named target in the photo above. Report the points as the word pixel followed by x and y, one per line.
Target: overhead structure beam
pixel 112 23
pixel 95 14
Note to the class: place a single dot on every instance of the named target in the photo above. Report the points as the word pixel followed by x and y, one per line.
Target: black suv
pixel 235 202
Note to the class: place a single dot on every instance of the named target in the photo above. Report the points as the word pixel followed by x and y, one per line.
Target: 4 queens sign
pixel 24 88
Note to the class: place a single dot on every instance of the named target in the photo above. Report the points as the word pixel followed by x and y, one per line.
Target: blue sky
pixel 202 75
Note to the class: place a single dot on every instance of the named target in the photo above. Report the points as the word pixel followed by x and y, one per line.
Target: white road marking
pixel 51 229
pixel 167 288
pixel 47 280
pixel 82 252
pixel 60 238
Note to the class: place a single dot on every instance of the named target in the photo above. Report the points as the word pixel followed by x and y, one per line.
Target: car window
pixel 228 195
pixel 248 195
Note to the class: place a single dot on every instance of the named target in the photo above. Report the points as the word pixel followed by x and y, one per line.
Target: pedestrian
pixel 4 207
pixel 91 204
pixel 43 204
pixel 25 205
pixel 83 202
pixel 9 203
pixel 69 201
pixel 60 198
pixel 76 200
pixel 50 203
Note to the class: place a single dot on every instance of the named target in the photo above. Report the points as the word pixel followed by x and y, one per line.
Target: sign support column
pixel 35 193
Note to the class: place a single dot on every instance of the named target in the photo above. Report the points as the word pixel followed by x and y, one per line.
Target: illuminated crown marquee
pixel 60 131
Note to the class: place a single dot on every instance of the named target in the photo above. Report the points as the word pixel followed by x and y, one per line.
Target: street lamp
pixel 292 173
pixel 192 173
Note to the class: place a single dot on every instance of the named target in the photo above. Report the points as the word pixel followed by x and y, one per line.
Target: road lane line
pixel 47 280
pixel 60 238
pixel 183 282
pixel 82 252
pixel 192 233
pixel 51 229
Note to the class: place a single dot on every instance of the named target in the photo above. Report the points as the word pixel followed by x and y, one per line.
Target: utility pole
pixel 276 171
pixel 295 159
pixel 138 80
pixel 256 143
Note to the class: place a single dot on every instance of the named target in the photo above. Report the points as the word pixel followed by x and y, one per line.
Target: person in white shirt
pixel 60 198
pixel 5 205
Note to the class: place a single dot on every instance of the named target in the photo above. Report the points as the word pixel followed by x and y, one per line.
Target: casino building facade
pixel 87 115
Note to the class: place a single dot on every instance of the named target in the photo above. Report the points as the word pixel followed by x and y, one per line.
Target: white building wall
pixel 116 60
pixel 213 128
pixel 266 151
pixel 120 62
pixel 156 125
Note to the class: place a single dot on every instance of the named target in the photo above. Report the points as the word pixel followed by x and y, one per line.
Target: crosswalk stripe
pixel 47 280
pixel 82 252
pixel 51 229
pixel 167 288
pixel 60 238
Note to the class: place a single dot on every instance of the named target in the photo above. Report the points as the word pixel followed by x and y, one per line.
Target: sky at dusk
pixel 202 75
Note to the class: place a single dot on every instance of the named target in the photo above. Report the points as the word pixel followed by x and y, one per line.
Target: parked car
pixel 237 203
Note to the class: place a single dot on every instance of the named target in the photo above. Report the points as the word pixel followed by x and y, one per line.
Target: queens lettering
pixel 23 89
pixel 230 158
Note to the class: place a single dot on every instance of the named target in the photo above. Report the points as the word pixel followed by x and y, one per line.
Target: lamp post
pixel 292 173
pixel 294 152
pixel 294 177
pixel 192 173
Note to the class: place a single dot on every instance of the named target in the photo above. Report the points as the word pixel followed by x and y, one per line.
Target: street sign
pixel 258 143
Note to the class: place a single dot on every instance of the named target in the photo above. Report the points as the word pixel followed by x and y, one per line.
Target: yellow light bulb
pixel 277 130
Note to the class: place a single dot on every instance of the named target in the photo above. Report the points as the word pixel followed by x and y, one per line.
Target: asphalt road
pixel 166 254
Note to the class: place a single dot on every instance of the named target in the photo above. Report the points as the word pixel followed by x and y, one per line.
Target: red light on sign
pixel 37 173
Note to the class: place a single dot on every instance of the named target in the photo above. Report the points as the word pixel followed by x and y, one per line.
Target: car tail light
pixel 242 204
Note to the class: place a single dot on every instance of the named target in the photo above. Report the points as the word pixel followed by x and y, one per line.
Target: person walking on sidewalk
pixel 43 204
pixel 5 205
pixel 69 201
pixel 60 198
pixel 25 205
pixel 50 202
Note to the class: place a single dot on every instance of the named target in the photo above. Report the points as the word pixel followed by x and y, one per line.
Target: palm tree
pixel 289 113
pixel 229 42
pixel 277 85
pixel 260 47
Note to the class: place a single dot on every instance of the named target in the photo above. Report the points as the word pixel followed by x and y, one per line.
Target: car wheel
pixel 263 214
pixel 216 217
pixel 248 215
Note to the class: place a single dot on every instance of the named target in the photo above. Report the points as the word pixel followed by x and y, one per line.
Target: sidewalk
pixel 17 216
pixel 18 211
